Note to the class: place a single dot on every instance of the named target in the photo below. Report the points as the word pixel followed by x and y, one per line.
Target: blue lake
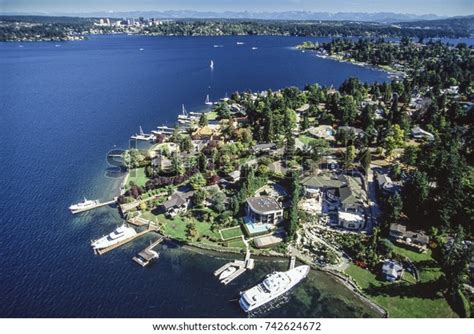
pixel 63 107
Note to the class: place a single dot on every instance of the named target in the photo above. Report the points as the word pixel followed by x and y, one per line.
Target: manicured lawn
pixel 231 233
pixel 174 228
pixel 137 176
pixel 236 243
pixel 407 299
pixel 204 229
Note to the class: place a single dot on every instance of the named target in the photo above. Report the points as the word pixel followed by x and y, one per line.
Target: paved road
pixel 372 196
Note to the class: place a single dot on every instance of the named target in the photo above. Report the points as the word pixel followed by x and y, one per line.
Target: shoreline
pixel 340 278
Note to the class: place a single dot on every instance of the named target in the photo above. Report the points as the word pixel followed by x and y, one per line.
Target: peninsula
pixel 369 182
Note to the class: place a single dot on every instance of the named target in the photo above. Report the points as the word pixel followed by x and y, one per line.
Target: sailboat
pixel 141 135
pixel 184 117
pixel 208 102
pixel 212 65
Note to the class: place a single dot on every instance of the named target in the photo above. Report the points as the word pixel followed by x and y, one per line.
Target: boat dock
pixel 98 204
pixel 126 241
pixel 292 262
pixel 240 267
pixel 148 254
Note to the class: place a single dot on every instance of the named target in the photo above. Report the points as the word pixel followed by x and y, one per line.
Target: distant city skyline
pixel 418 7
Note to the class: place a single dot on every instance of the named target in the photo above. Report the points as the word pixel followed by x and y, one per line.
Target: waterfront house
pixel 314 185
pixel 262 214
pixel 392 270
pixel 178 203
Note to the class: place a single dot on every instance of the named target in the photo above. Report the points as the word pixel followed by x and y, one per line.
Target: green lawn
pixel 237 243
pixel 407 298
pixel 305 139
pixel 230 233
pixel 176 228
pixel 137 176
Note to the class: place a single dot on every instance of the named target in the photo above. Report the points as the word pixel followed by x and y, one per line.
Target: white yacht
pixel 119 234
pixel 273 286
pixel 86 204
pixel 211 65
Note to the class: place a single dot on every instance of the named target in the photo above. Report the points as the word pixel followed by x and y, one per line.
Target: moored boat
pixel 119 234
pixel 85 205
pixel 273 286
pixel 226 273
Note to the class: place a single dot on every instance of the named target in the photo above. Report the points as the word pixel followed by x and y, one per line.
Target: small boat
pixel 226 273
pixel 240 43
pixel 218 45
pixel 141 49
pixel 211 65
pixel 208 102
pixel 85 205
pixel 254 48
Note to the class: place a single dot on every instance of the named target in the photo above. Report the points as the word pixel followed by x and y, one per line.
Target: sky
pixel 438 7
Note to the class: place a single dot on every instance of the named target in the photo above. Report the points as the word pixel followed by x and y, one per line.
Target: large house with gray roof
pixel 342 193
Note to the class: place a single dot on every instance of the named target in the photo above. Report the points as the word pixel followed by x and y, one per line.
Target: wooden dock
pixel 292 262
pixel 241 266
pixel 126 241
pixel 95 206
pixel 148 254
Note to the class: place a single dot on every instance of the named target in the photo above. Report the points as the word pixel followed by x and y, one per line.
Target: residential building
pixel 264 210
pixel 392 270
pixel 177 203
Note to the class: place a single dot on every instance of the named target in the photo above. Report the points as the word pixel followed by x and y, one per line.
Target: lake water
pixel 63 107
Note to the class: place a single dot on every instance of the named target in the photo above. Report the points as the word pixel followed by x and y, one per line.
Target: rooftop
pixel 263 204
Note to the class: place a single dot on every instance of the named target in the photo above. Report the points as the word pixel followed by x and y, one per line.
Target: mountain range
pixel 381 17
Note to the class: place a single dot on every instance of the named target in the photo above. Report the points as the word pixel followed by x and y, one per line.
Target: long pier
pixel 98 204
pixel 126 241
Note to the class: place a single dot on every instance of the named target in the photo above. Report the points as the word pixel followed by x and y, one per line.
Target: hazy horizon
pixel 406 7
